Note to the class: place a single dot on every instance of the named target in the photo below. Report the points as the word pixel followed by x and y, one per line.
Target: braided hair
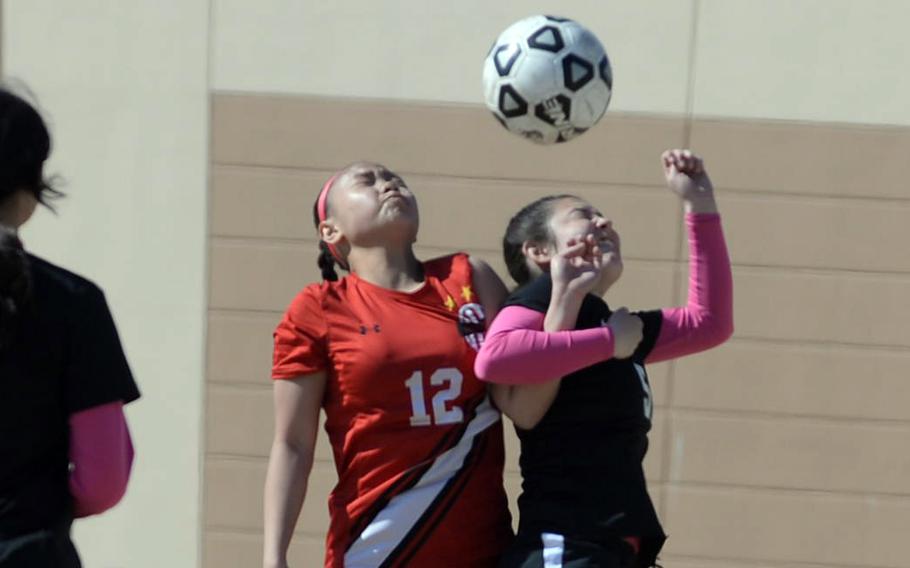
pixel 15 282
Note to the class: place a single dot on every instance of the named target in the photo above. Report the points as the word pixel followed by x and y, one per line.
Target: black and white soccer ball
pixel 547 79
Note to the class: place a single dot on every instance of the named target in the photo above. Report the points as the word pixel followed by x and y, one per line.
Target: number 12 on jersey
pixel 448 377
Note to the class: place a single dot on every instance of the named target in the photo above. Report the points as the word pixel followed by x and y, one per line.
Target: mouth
pixel 607 244
pixel 390 195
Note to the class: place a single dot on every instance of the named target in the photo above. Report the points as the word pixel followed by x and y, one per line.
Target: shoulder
pixel 311 298
pixel 53 282
pixel 443 267
pixel 459 266
pixel 534 295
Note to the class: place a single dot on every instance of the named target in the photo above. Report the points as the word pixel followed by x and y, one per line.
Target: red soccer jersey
pixel 417 443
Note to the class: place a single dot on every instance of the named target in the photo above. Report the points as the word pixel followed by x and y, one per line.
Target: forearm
pixel 518 351
pixel 707 318
pixel 285 490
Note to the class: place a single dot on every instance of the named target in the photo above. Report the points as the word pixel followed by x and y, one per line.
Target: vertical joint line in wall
pixel 690 76
pixel 666 465
pixel 201 552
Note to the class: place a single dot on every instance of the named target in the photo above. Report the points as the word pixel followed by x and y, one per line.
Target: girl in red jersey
pixel 571 372
pixel 388 352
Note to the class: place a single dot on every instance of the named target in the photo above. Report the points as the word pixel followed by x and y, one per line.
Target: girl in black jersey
pixel 570 372
pixel 65 449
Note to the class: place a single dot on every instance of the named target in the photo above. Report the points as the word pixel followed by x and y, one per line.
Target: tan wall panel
pixel 761 526
pixel 240 347
pixel 240 422
pixel 841 307
pixel 437 140
pixel 242 550
pixel 681 562
pixel 797 379
pixel 788 453
pixel 260 275
pixel 233 496
pixel 816 159
pixel 263 202
pixel 818 233
pixel 814 272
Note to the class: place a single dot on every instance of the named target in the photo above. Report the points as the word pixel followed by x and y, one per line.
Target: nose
pixel 387 185
pixel 604 223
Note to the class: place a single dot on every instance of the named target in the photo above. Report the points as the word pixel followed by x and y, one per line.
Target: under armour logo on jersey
pixel 364 329
pixel 472 324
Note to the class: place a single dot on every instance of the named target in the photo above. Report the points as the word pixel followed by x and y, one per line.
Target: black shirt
pixel 581 465
pixel 64 356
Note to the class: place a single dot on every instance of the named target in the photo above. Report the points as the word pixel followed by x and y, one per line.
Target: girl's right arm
pixel 297 404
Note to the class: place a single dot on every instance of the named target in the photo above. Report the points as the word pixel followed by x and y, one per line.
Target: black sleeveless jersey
pixel 581 465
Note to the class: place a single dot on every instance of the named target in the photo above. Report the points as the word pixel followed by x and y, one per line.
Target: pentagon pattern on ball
pixel 511 104
pixel 576 72
pixel 605 72
pixel 547 38
pixel 557 19
pixel 505 58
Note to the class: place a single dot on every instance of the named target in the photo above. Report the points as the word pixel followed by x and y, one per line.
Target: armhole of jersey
pixel 653 320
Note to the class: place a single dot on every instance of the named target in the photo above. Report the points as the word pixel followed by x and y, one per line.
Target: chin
pixel 612 271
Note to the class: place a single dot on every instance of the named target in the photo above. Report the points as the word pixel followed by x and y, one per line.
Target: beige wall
pixel 433 51
pixel 786 447
pixel 124 87
pixel 805 60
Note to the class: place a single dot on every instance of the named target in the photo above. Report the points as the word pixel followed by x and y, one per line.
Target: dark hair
pixel 531 223
pixel 25 145
pixel 15 282
pixel 326 260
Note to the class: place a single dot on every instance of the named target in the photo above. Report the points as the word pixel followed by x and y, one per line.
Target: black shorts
pixel 42 549
pixel 550 550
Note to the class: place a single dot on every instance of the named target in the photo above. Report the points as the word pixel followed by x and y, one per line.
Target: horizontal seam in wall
pixel 537 183
pixel 762 563
pixel 528 183
pixel 750 489
pixel 792 417
pixel 292 242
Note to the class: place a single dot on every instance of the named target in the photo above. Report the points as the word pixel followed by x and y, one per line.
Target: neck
pixel 395 269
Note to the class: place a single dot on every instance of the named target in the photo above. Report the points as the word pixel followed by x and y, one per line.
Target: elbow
pixel 98 497
pixel 486 364
pixel 722 331
pixel 483 367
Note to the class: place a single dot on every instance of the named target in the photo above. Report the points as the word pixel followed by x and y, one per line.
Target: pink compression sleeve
pixel 518 351
pixel 101 453
pixel 707 319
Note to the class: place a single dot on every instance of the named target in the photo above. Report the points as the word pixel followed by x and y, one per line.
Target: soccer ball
pixel 547 79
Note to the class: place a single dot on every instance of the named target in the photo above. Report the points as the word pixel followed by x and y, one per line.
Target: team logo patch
pixel 472 324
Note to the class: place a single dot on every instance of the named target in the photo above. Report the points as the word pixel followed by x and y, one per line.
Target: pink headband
pixel 320 211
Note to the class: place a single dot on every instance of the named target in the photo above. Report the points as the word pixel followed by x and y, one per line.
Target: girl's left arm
pixel 707 318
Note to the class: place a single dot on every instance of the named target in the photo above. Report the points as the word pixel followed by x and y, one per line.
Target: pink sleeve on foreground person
pixel 517 351
pixel 101 453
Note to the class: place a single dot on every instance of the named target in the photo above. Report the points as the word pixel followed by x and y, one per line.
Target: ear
pixel 538 253
pixel 329 232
